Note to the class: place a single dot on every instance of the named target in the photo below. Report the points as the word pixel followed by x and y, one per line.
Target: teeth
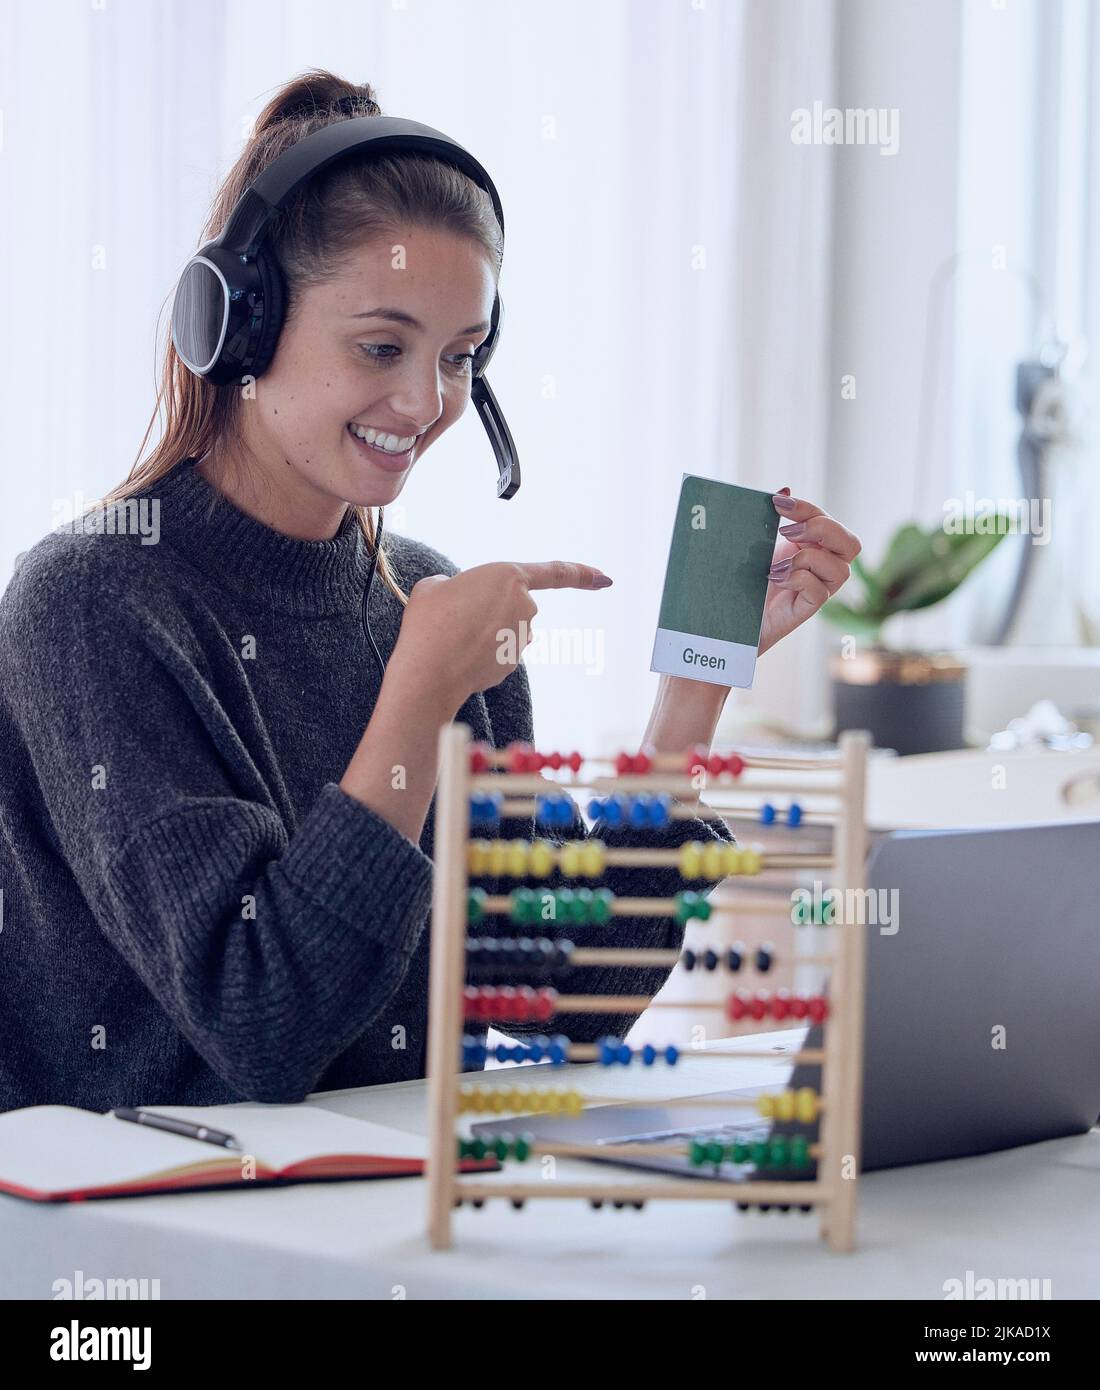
pixel 390 443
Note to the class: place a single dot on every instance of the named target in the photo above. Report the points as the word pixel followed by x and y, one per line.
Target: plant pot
pixel 910 701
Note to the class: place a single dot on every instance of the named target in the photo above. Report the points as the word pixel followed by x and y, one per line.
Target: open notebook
pixel 55 1153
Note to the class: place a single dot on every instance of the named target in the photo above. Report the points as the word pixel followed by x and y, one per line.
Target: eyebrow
pixel 399 316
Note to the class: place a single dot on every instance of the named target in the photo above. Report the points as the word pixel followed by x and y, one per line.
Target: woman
pixel 217 821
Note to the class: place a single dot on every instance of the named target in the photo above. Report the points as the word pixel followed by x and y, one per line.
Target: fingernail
pixel 785 504
pixel 792 532
pixel 601 581
pixel 780 568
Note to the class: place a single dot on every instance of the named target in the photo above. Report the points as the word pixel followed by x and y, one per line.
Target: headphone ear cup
pixel 274 291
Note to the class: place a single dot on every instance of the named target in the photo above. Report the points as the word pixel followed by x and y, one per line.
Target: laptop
pixel 982 1026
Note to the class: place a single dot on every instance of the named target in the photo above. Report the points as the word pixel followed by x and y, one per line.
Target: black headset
pixel 230 301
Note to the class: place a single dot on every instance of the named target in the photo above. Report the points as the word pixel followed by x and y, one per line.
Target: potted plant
pixel 909 700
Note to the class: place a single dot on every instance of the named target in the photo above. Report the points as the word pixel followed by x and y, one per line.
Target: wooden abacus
pixel 467 780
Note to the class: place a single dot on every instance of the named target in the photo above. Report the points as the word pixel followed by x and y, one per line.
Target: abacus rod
pixel 670 858
pixel 536 785
pixel 446 973
pixel 630 1004
pixel 527 806
pixel 597 955
pixel 540 1150
pixel 589 1052
pixel 687 1188
pixel 501 904
pixel 718 1102
pixel 668 762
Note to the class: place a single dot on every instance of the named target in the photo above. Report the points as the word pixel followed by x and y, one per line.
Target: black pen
pixel 183 1127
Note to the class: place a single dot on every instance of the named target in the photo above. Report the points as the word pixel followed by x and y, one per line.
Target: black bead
pixel 688 959
pixel 710 960
pixel 734 957
pixel 517 1203
pixel 765 956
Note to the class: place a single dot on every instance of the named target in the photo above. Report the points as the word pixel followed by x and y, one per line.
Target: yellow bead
pixel 784 1109
pixel 691 859
pixel 751 861
pixel 574 1102
pixel 541 860
pixel 570 858
pixel 497 858
pixel 499 1100
pixel 731 860
pixel 517 858
pixel 712 861
pixel 553 1102
pixel 592 858
pixel 766 1106
pixel 521 1099
pixel 477 857
pixel 806 1105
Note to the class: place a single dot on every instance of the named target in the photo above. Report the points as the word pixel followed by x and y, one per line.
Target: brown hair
pixel 347 204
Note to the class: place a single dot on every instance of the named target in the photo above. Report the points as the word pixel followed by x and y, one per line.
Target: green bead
pixel 524 906
pixel 477 1148
pixel 546 906
pixel 462 1146
pixel 697 1153
pixel 716 1152
pixel 522 1150
pixel 582 905
pixel 800 1151
pixel 500 1147
pixel 602 899
pixel 702 909
pixel 739 1151
pixel 685 905
pixel 779 1152
pixel 563 905
pixel 475 904
pixel 758 1153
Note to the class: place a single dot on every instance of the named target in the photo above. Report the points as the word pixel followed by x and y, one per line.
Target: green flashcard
pixel 716 582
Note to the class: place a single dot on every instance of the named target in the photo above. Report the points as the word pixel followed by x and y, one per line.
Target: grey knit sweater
pixel 193 910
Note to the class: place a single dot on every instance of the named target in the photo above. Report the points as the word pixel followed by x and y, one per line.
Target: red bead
pixel 758 1005
pixel 697 757
pixel 716 764
pixel 544 1004
pixel 624 763
pixel 735 764
pixel 643 763
pixel 798 1006
pixel 554 761
pixel 470 996
pixel 818 1008
pixel 504 1005
pixel 739 1004
pixel 781 1003
pixel 479 757
pixel 574 761
pixel 517 757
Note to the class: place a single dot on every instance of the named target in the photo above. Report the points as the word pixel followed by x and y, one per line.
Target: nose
pixel 416 395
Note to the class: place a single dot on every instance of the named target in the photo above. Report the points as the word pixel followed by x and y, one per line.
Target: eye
pixel 382 354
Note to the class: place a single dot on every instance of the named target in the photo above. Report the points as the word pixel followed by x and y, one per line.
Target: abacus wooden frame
pixel 836 1192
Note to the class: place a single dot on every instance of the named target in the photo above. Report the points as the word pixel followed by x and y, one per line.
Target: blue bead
pixel 542 813
pixel 672 1054
pixel 794 815
pixel 565 811
pixel 659 811
pixel 649 1054
pixel 606 1049
pixel 767 814
pixel 639 811
pixel 624 1054
pixel 534 1052
pixel 595 807
pixel 616 806
pixel 503 1052
pixel 559 1051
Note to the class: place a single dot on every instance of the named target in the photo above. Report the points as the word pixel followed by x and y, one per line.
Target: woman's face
pixel 384 347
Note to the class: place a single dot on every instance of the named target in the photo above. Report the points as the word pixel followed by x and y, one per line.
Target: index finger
pixel 794 508
pixel 562 574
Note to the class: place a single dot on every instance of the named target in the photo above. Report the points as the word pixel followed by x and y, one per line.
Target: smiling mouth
pixel 380 440
pixel 388 457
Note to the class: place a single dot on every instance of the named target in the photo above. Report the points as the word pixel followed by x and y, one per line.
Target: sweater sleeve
pixel 512 720
pixel 269 946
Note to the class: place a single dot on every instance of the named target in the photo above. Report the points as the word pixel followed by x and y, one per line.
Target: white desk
pixel 1026 1213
